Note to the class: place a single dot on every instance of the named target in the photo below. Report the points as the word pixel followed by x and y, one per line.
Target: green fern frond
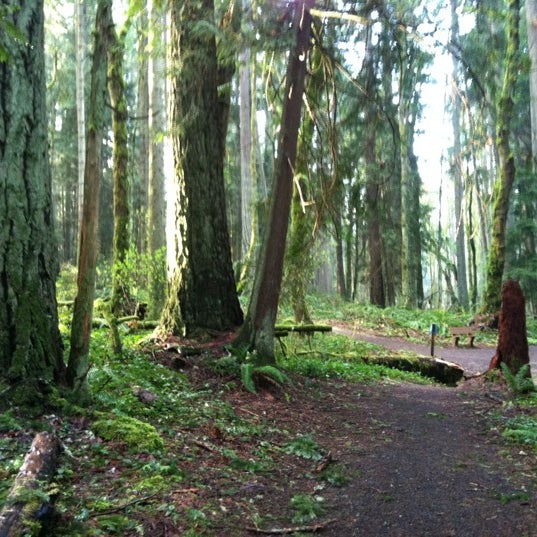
pixel 520 382
pixel 247 377
pixel 249 371
pixel 273 372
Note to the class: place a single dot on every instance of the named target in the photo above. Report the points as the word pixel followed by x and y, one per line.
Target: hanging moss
pixel 135 433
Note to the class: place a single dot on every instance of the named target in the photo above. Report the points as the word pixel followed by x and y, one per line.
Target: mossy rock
pixel 135 433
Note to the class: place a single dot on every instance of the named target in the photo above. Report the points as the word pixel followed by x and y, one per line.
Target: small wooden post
pixel 434 331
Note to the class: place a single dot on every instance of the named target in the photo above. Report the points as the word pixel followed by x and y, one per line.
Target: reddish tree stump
pixel 512 338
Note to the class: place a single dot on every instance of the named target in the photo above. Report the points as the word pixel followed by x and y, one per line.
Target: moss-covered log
pixel 445 372
pixel 303 328
pixel 26 500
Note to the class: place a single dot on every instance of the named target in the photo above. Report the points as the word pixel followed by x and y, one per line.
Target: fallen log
pixel 26 500
pixel 443 371
pixel 303 328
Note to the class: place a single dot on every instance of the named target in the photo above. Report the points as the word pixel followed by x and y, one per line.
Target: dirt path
pixel 426 460
pixel 473 360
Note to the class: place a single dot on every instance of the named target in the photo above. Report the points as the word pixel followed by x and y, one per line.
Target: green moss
pixel 136 433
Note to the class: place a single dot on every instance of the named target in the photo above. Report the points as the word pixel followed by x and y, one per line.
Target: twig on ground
pixel 125 505
pixel 324 462
pixel 495 398
pixel 293 529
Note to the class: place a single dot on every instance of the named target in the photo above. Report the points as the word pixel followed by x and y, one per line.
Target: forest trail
pixel 426 460
pixel 474 360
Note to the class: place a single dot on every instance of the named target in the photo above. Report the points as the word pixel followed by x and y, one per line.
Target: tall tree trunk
pixel 257 333
pixel 81 39
pixel 456 166
pixel 156 215
pixel 202 292
pixel 410 68
pixel 140 179
pixel 246 153
pixel 120 168
pixel 505 180
pixel 531 22
pixel 78 365
pixel 372 190
pixel 30 343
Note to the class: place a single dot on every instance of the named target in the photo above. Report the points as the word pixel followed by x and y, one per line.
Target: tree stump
pixel 512 346
pixel 24 502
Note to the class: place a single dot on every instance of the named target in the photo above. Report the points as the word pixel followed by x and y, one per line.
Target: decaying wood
pixel 302 328
pixel 441 370
pixel 292 529
pixel 24 503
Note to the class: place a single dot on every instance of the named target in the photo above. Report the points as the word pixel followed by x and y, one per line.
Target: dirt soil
pixel 421 460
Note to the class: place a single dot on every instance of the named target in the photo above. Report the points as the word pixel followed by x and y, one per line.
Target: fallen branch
pixel 124 506
pixel 293 529
pixel 324 462
pixel 26 499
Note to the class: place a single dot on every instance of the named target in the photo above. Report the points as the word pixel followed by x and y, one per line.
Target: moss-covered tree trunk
pixel 506 178
pixel 120 168
pixel 257 333
pixel 30 344
pixel 299 254
pixel 78 366
pixel 202 293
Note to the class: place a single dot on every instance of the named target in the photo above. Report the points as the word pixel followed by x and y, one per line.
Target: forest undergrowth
pixel 174 444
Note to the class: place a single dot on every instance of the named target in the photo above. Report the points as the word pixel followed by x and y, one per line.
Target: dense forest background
pixel 395 196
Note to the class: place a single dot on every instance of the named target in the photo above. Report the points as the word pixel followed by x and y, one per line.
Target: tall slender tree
pixel 257 333
pixel 531 24
pixel 30 345
pixel 120 163
pixel 81 46
pixel 156 199
pixel 456 165
pixel 78 366
pixel 506 176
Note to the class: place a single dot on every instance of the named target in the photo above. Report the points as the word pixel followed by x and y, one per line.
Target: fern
pixel 272 372
pixel 249 372
pixel 520 383
pixel 247 377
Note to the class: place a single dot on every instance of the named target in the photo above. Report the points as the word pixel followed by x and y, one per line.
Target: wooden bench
pixel 458 331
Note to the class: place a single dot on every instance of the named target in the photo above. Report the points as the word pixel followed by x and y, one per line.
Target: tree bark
pixel 257 332
pixel 504 183
pixel 81 41
pixel 18 517
pixel 512 346
pixel 377 294
pixel 30 343
pixel 139 183
pixel 202 292
pixel 120 167
pixel 78 365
